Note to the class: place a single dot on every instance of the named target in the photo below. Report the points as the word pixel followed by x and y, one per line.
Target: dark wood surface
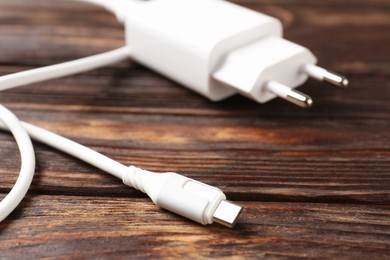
pixel 315 183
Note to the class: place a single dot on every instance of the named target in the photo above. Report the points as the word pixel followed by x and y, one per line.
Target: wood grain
pixel 315 183
pixel 106 227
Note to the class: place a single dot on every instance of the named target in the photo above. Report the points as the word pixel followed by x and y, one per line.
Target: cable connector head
pixel 197 201
pixel 189 198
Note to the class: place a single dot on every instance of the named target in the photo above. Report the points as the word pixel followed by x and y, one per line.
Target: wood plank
pixel 125 227
pixel 254 167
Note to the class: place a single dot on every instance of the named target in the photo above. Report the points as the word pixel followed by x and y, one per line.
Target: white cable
pixel 184 196
pixel 9 121
pixel 75 149
pixel 64 69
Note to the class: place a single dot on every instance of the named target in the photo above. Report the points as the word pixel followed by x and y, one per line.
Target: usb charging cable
pixel 192 199
pixel 213 47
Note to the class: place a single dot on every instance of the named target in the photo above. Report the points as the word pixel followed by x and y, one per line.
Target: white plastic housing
pixel 186 40
pixel 181 195
pixel 249 68
pixel 189 198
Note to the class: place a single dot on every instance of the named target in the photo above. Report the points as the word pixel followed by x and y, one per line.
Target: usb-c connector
pixel 189 198
pixel 227 213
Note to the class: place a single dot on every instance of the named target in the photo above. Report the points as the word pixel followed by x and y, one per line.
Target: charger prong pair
pixel 299 98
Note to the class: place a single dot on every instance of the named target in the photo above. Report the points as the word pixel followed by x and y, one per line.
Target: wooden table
pixel 315 183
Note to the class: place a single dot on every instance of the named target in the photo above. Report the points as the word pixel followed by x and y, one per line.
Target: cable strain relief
pixel 133 177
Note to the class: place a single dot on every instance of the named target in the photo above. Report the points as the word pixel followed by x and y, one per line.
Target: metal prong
pixel 336 79
pixel 294 96
pixel 325 75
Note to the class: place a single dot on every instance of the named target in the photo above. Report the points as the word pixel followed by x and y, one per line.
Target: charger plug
pixel 217 49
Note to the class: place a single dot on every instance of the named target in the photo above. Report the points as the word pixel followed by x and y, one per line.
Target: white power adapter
pixel 217 49
pixel 213 47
